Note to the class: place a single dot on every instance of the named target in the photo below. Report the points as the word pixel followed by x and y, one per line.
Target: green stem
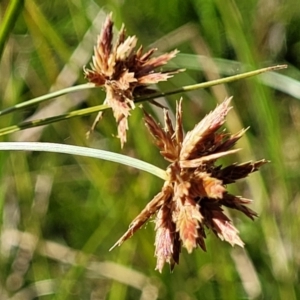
pixel 9 20
pixel 94 109
pixel 207 84
pixel 187 88
pixel 41 122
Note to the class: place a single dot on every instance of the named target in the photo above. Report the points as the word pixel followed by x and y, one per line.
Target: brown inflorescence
pixel 192 197
pixel 124 71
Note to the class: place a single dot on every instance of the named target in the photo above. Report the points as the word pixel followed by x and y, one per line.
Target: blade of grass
pixel 36 15
pixel 14 9
pixel 41 122
pixel 84 151
pixel 46 97
pixel 284 83
pixel 270 127
pixel 211 83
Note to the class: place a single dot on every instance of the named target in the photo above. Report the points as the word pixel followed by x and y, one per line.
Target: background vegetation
pixel 60 214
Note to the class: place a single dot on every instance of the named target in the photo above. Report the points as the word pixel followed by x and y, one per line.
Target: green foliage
pixel 60 214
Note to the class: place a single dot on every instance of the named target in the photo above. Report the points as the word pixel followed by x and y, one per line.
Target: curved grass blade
pixel 84 151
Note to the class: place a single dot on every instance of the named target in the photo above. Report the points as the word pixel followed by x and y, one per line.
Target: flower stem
pixel 94 109
pixel 41 122
pixel 207 84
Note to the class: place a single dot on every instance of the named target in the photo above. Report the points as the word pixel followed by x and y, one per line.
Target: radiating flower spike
pixel 124 72
pixel 193 196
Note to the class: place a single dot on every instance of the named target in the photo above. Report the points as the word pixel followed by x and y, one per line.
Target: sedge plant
pixel 194 192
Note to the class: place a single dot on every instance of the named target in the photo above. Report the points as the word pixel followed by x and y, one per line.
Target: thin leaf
pixel 9 20
pixel 84 151
pixel 46 97
pixel 207 84
pixel 41 122
pixel 186 88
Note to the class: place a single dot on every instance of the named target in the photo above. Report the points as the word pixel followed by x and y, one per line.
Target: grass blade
pixel 46 97
pixel 9 20
pixel 84 151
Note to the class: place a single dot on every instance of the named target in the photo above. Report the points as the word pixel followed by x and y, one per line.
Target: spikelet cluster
pixel 124 71
pixel 192 197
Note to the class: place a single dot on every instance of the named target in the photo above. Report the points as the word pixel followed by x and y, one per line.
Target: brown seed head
pixel 195 192
pixel 124 71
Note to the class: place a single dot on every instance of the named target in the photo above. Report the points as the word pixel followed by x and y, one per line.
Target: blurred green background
pixel 60 214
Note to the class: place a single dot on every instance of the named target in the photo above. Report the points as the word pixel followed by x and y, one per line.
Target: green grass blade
pixel 9 20
pixel 46 121
pixel 46 97
pixel 84 151
pixel 284 83
pixel 34 12
pixel 211 83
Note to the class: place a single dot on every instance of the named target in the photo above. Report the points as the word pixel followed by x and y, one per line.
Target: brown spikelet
pixel 237 171
pixel 187 222
pixel 198 141
pixel 165 236
pixel 192 197
pixel 150 209
pixel 222 226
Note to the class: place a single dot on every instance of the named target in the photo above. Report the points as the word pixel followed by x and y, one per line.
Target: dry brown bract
pixel 124 71
pixel 192 197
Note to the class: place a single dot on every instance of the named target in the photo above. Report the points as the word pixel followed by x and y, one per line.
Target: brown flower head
pixel 192 197
pixel 124 71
